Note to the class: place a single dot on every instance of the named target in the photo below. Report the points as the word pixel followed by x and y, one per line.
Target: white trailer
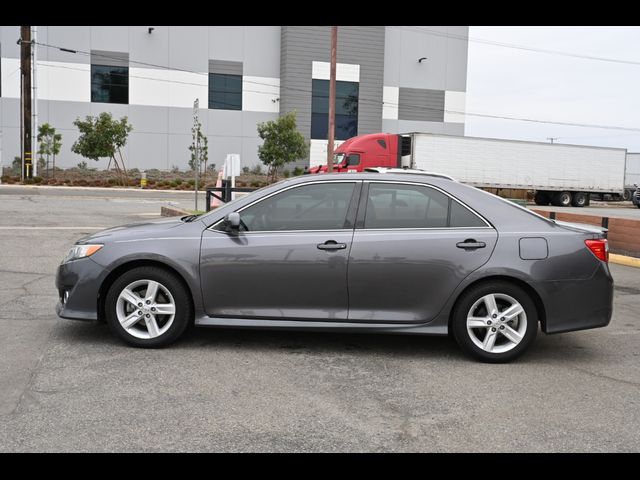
pixel 560 174
pixel 631 174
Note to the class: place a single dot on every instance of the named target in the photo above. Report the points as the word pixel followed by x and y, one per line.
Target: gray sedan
pixel 371 252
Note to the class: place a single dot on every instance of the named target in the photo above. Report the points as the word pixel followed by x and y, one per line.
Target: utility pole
pixel 552 139
pixel 34 82
pixel 332 98
pixel 197 152
pixel 25 95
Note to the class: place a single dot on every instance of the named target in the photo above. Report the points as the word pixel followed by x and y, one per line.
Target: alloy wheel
pixel 496 323
pixel 145 309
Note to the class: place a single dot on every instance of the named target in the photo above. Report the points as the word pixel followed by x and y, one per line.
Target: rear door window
pixel 414 206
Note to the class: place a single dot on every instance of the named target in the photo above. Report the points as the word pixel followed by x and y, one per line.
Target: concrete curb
pixel 624 260
pixel 100 189
pixel 173 212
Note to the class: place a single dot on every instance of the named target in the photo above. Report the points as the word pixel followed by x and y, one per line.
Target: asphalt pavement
pixel 72 386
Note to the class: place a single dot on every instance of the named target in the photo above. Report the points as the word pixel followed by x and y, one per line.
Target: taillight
pixel 600 248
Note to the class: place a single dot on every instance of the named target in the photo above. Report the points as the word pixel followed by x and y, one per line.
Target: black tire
pixel 580 199
pixel 627 195
pixel 470 297
pixel 541 198
pixel 183 309
pixel 561 199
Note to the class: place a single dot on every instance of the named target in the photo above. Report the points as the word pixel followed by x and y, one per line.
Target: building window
pixel 346 109
pixel 109 84
pixel 225 91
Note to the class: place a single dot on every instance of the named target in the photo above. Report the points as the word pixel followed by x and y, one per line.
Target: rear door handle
pixel 470 244
pixel 332 245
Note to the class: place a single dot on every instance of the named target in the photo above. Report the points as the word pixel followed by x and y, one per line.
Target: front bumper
pixel 578 304
pixel 78 283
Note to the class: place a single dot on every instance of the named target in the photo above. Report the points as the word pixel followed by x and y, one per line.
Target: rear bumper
pixel 578 304
pixel 78 283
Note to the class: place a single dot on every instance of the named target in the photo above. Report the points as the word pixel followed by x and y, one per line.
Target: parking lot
pixel 72 386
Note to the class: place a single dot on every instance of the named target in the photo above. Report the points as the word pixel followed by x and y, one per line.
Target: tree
pixel 50 143
pixel 101 137
pixel 203 147
pixel 283 143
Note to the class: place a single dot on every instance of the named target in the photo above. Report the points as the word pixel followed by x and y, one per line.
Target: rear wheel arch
pixel 529 290
pixel 120 269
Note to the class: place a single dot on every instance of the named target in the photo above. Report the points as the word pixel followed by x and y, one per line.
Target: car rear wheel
pixel 148 307
pixel 495 322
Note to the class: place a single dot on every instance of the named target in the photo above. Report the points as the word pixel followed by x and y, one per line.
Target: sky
pixel 525 84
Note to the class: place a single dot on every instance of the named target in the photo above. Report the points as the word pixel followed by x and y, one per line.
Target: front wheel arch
pixel 120 269
pixel 533 294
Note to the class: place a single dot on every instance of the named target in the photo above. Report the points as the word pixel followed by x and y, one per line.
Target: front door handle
pixel 470 244
pixel 332 245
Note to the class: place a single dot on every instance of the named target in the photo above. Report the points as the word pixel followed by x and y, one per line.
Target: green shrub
pixel 173 183
pixel 178 181
pixel 286 174
pixel 246 170
pixel 257 170
pixel 38 179
pixel 298 171
pixel 256 183
pixel 112 181
pixel 28 181
pixel 192 182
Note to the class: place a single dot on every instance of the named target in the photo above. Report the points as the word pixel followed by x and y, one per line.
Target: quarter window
pixel 308 207
pixel 414 206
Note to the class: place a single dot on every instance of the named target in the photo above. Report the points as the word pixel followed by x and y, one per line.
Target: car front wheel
pixel 495 322
pixel 148 307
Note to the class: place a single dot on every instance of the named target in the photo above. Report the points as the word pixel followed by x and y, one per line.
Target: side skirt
pixel 409 329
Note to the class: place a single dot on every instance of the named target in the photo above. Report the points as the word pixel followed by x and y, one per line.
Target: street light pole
pixel 332 98
pixel 197 152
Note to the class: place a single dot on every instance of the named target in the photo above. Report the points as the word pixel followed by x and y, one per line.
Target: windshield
pixel 338 158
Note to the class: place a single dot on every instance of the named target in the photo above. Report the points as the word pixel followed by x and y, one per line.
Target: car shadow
pixel 549 349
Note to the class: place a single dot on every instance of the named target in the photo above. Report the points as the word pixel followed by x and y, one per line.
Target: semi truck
pixel 560 174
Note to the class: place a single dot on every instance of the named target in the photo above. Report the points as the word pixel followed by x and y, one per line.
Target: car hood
pixel 145 229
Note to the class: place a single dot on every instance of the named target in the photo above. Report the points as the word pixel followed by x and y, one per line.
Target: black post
pixel 552 215
pixel 208 200
pixel 227 191
pixel 605 224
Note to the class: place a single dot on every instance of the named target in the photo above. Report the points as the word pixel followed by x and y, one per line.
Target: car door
pixel 412 246
pixel 289 259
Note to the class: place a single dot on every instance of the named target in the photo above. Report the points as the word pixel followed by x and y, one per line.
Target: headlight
pixel 81 251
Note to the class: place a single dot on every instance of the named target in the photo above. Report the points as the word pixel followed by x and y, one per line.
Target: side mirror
pixel 232 221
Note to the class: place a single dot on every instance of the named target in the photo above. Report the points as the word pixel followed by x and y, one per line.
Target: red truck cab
pixel 364 151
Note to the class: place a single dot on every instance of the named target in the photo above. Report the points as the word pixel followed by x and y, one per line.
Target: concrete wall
pixel 160 99
pixel 169 68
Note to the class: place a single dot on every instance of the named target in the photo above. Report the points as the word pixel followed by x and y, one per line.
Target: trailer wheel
pixel 541 198
pixel 562 199
pixel 627 194
pixel 579 199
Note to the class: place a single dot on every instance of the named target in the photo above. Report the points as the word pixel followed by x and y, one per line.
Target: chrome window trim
pixel 211 227
pixel 428 185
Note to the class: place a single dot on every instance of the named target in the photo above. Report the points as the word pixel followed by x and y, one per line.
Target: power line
pixel 518 47
pixel 360 100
